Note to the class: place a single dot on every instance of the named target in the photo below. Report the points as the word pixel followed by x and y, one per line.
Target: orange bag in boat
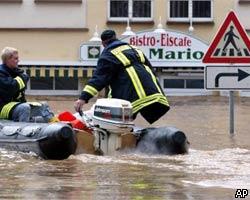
pixel 78 124
pixel 74 122
pixel 66 116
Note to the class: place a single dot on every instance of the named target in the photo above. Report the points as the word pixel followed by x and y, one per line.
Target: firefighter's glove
pixel 18 71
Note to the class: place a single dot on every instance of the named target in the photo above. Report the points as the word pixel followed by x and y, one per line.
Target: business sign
pixel 90 52
pixel 170 48
pixel 230 45
pixel 227 77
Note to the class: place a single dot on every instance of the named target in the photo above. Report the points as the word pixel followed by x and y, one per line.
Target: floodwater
pixel 215 167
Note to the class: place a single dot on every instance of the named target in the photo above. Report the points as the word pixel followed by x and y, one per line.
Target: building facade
pixel 58 39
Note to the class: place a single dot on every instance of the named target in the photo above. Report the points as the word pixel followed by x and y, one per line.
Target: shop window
pixel 173 83
pixel 183 83
pixel 135 10
pixel 56 83
pixel 195 83
pixel 42 83
pixel 11 1
pixel 66 83
pixel 58 1
pixel 185 10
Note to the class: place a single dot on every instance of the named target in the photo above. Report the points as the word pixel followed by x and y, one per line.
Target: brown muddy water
pixel 215 167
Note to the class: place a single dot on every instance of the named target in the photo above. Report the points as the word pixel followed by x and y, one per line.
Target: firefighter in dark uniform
pixel 128 73
pixel 13 82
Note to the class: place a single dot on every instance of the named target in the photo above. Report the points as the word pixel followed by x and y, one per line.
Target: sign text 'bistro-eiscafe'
pixel 169 48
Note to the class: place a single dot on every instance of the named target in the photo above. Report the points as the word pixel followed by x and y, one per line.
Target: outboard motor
pixel 163 140
pixel 110 119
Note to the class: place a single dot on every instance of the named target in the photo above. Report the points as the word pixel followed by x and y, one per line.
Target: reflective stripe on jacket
pixel 6 110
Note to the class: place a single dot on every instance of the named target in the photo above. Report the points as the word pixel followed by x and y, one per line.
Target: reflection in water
pixel 215 167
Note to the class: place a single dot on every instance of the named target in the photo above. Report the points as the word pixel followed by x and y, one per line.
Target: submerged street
pixel 216 165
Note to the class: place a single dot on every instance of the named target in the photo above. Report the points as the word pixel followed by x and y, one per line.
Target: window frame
pixel 190 13
pixel 53 92
pixel 130 13
pixel 184 77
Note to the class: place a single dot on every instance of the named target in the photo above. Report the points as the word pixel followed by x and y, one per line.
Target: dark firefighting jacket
pixel 12 85
pixel 128 73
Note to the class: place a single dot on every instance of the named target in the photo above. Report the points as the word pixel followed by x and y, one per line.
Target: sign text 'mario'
pixel 168 47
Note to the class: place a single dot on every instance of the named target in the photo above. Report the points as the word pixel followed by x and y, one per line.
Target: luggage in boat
pixel 162 140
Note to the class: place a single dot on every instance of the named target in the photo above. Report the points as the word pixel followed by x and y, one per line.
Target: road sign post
pixel 228 78
pixel 231 112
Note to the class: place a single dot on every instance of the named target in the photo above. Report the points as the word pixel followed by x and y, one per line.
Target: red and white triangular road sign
pixel 230 45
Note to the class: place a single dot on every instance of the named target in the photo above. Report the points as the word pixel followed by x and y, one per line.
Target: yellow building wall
pixel 49 45
pixel 63 44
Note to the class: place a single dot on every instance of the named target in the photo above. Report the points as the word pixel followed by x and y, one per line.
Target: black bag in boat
pixel 163 140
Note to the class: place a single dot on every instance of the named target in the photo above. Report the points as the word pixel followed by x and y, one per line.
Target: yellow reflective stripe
pixel 136 82
pixel 19 95
pixel 20 82
pixel 91 90
pixel 110 91
pixel 135 110
pixel 140 103
pixel 164 101
pixel 6 110
pixel 123 59
pixel 120 48
pixel 142 58
pixel 149 98
pixel 153 78
pixel 117 52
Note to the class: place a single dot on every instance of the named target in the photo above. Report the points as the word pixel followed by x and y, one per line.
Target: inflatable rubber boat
pixel 106 129
pixel 49 141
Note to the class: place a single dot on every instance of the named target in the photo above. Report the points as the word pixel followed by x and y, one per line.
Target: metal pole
pixel 231 111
